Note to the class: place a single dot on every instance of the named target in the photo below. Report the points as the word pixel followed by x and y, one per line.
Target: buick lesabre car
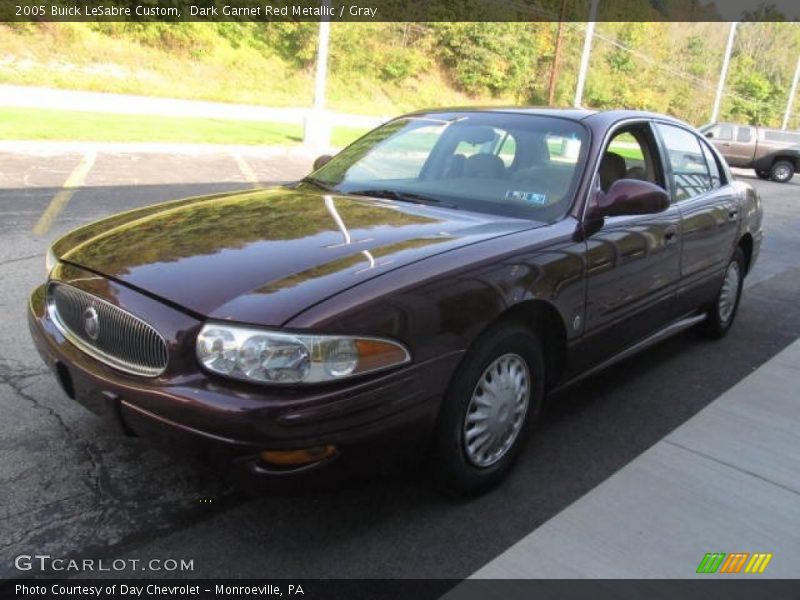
pixel 420 293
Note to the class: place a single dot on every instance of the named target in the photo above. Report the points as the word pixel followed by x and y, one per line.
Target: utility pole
pixel 587 50
pixel 321 76
pixel 551 90
pixel 317 126
pixel 790 101
pixel 724 73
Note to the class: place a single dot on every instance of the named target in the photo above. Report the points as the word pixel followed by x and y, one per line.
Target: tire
pixel 762 174
pixel 514 352
pixel 723 310
pixel 781 171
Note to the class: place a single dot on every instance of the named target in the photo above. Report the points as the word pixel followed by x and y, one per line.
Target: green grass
pixel 627 147
pixel 64 125
pixel 195 61
pixel 632 153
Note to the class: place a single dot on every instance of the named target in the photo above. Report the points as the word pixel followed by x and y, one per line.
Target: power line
pixel 697 81
pixel 672 71
pixel 676 72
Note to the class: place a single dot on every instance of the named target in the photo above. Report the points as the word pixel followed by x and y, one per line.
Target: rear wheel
pixel 782 171
pixel 762 174
pixel 494 397
pixel 723 311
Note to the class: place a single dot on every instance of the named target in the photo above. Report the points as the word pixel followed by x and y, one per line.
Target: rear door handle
pixel 671 234
pixel 733 213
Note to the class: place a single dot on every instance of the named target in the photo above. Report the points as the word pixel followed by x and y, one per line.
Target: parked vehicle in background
pixel 773 153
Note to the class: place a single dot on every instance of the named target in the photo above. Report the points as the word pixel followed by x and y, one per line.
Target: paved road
pixel 69 487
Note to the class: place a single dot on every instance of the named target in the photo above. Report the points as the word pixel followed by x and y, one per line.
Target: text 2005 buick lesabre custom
pixel 420 292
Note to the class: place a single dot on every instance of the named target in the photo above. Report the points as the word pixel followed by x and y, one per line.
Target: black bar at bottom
pixel 712 588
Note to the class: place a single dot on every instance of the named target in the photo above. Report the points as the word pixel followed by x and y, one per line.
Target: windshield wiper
pixel 402 197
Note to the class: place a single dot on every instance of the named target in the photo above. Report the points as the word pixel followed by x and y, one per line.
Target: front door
pixel 742 147
pixel 633 262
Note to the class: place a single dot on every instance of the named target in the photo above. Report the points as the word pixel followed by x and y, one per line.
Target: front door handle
pixel 733 213
pixel 671 234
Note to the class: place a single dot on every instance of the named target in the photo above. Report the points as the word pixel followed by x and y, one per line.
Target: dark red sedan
pixel 419 293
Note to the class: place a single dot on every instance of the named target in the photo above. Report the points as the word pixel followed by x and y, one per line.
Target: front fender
pixel 441 304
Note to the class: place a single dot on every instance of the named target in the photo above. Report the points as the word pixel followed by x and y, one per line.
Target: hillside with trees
pixel 387 68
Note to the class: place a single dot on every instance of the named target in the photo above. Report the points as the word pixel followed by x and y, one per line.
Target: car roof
pixel 571 113
pixel 575 114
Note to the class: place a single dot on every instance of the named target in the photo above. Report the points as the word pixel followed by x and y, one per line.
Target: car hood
pixel 263 256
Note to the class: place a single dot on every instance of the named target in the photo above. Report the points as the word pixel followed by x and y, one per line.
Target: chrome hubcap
pixel 729 292
pixel 496 410
pixel 782 172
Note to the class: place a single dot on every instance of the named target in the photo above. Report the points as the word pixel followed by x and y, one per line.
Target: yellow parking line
pixel 247 172
pixel 60 200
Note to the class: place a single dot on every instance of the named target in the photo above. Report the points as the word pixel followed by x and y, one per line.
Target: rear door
pixel 709 210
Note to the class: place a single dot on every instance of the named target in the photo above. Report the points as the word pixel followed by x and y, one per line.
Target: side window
pixel 627 157
pixel 713 166
pixel 562 149
pixel 720 132
pixel 507 149
pixel 690 173
pixel 743 134
pixel 725 132
pixel 628 148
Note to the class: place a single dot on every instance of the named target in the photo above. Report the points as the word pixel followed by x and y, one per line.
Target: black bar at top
pixel 395 10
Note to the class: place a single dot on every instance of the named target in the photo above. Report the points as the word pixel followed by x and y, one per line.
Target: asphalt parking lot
pixel 71 488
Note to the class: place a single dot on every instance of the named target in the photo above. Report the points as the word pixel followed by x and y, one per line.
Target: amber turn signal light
pixel 297 458
pixel 375 354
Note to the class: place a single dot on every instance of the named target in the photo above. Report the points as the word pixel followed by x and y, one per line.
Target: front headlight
pixel 283 358
pixel 50 260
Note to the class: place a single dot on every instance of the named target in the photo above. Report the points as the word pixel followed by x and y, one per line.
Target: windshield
pixel 511 165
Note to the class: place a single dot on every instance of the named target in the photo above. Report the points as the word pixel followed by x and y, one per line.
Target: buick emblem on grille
pixel 91 323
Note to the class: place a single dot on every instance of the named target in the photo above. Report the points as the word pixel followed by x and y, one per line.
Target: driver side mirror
pixel 709 134
pixel 322 161
pixel 630 197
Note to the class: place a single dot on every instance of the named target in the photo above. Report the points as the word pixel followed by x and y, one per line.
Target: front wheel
pixel 723 311
pixel 782 171
pixel 495 395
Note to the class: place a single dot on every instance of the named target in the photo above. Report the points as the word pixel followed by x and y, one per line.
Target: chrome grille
pixel 106 332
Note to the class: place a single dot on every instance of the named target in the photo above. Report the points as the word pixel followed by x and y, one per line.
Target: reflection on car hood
pixel 263 256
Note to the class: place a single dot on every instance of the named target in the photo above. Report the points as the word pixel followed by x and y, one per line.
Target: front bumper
pixel 374 422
